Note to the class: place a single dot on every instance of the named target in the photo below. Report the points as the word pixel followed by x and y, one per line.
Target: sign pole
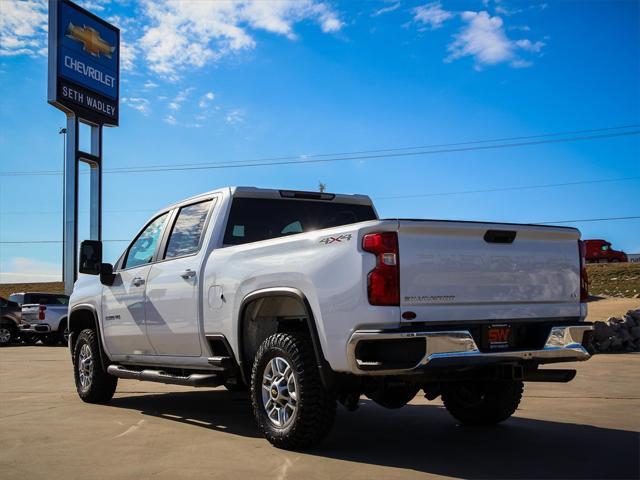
pixel 70 206
pixel 95 221
pixel 84 82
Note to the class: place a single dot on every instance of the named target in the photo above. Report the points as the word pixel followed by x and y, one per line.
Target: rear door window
pixel 255 219
pixel 187 230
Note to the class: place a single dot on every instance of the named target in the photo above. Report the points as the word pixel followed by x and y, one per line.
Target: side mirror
pixel 91 262
pixel 91 257
pixel 106 274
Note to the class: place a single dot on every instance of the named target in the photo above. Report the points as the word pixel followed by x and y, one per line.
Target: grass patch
pixel 614 279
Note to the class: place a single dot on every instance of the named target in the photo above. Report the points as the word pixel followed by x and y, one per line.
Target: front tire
pixel 482 403
pixel 290 404
pixel 7 335
pixel 93 384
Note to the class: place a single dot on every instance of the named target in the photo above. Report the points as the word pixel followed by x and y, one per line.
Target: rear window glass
pixel 44 299
pixel 255 219
pixel 187 230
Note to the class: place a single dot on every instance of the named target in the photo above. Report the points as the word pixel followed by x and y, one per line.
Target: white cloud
pixel 234 117
pixel 176 103
pixel 170 119
pixel 22 269
pixel 206 99
pixel 483 37
pixel 431 15
pixel 191 34
pixel 149 85
pixel 383 10
pixel 137 103
pixel 23 27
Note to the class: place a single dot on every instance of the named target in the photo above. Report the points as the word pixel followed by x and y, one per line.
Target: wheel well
pixel 8 321
pixel 80 319
pixel 274 312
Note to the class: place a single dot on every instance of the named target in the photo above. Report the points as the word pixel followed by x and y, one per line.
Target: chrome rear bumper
pixel 457 348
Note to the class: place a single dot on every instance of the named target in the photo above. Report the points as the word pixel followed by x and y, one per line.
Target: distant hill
pixel 49 287
pixel 607 279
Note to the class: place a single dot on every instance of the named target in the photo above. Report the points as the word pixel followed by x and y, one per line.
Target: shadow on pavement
pixel 424 438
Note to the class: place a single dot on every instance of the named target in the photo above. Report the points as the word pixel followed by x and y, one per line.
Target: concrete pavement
pixel 585 429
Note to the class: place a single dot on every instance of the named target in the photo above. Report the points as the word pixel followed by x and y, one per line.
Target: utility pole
pixel 322 187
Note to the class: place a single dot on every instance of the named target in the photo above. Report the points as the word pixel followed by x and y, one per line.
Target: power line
pixel 504 189
pixel 535 223
pixel 388 197
pixel 590 220
pixel 301 160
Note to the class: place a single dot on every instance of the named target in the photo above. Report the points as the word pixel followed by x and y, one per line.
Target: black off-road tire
pixel 101 385
pixel 316 407
pixel 482 403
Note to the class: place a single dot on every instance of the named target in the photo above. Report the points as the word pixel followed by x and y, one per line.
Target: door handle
pixel 188 273
pixel 137 281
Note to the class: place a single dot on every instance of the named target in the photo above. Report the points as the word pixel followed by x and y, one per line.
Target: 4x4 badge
pixel 340 238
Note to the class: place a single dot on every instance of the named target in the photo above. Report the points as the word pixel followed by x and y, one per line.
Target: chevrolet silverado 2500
pixel 308 299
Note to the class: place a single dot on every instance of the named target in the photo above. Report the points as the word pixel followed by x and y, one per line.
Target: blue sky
pixel 229 81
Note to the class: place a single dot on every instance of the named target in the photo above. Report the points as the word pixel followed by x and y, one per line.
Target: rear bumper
pixel 35 328
pixel 457 348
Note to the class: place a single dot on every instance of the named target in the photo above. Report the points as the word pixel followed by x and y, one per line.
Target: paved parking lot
pixel 588 428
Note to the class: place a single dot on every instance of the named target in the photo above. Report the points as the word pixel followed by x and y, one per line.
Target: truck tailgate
pixel 458 271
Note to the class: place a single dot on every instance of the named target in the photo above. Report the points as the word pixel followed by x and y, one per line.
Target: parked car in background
pixel 44 316
pixel 10 313
pixel 600 251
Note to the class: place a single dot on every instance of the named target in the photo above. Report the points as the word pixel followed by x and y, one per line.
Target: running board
pixel 193 380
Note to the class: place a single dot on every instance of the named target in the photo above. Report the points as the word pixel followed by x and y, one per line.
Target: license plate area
pixel 498 337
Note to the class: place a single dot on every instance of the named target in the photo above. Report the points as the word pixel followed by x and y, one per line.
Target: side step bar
pixel 193 380
pixel 559 376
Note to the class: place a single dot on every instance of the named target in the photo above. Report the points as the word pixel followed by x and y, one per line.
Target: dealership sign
pixel 84 63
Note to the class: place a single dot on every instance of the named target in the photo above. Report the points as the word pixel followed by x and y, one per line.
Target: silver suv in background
pixel 44 316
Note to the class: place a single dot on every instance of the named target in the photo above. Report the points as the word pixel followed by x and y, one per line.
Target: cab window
pixel 144 246
pixel 187 230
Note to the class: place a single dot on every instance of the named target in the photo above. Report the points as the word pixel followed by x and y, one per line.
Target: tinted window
pixel 187 230
pixel 17 297
pixel 142 249
pixel 46 299
pixel 254 219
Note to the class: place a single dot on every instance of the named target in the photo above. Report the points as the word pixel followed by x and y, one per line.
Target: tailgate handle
pixel 500 236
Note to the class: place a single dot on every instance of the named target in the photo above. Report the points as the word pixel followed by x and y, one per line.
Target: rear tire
pixel 63 334
pixel 290 404
pixel 482 403
pixel 93 384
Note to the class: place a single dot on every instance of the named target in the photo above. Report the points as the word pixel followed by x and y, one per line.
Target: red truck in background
pixel 600 251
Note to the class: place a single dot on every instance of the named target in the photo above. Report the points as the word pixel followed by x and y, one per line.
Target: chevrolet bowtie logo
pixel 91 39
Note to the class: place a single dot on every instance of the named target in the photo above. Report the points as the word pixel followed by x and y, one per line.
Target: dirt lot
pixel 585 429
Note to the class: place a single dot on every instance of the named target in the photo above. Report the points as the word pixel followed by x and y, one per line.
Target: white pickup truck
pixel 308 299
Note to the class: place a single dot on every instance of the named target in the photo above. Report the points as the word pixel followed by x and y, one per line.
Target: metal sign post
pixel 84 80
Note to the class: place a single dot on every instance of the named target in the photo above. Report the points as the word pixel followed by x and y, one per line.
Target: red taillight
pixel 584 279
pixel 383 286
pixel 41 312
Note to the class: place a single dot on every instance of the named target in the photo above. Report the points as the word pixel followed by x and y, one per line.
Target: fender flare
pixel 321 362
pixel 104 362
